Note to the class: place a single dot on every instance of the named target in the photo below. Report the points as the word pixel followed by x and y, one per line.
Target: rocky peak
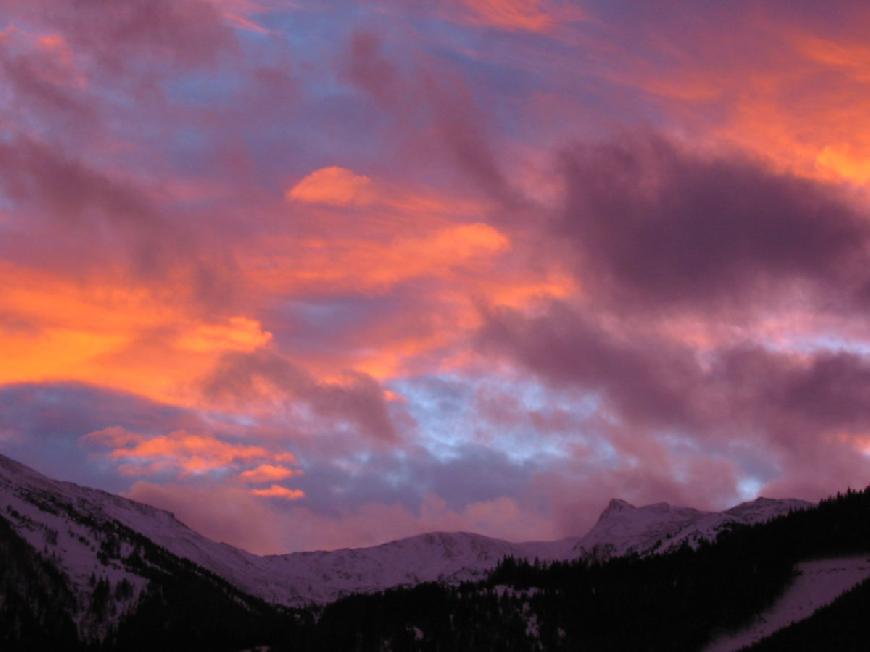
pixel 616 506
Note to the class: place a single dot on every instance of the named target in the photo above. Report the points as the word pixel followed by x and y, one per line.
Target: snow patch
pixel 817 584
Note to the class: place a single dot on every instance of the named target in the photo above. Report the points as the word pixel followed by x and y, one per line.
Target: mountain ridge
pixel 320 576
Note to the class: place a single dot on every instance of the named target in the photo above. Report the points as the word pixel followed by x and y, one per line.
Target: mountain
pixel 83 569
pixel 76 526
pixel 624 529
pixel 621 529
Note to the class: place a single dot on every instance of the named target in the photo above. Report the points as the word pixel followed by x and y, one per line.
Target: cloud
pixel 43 73
pixel 651 224
pixel 334 186
pixel 188 33
pixel 267 472
pixel 433 111
pixel 373 265
pixel 179 452
pixel 70 189
pixel 464 129
pixel 645 380
pixel 520 15
pixel 110 331
pixel 367 67
pixel 54 410
pixel 238 334
pixel 515 17
pixel 100 219
pixel 356 399
pixel 794 66
pixel 780 406
pixel 242 14
pixel 278 491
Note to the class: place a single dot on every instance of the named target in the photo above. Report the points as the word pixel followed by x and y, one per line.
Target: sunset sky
pixel 314 274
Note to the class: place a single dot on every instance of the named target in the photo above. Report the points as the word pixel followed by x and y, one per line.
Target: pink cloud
pixel 332 186
pixel 191 32
pixel 278 491
pixel 516 15
pixel 268 472
pixel 180 452
pixel 267 378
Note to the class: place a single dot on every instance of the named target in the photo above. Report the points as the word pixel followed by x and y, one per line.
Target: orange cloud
pixel 436 340
pixel 836 149
pixel 267 473
pixel 460 262
pixel 333 186
pixel 851 58
pixel 364 265
pixel 63 69
pixel 517 15
pixel 396 234
pixel 180 451
pixel 789 94
pixel 112 330
pixel 237 334
pixel 339 187
pixel 105 332
pixel 526 15
pixel 277 491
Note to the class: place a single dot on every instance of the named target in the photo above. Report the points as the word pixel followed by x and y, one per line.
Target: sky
pixel 324 274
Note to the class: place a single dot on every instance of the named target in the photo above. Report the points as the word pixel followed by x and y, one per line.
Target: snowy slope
pixel 443 556
pixel 38 506
pixel 624 529
pixel 818 583
pixel 621 529
pixel 79 517
pixel 43 511
pixel 58 523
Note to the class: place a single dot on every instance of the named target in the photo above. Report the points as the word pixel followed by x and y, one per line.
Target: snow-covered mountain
pixel 442 556
pixel 624 529
pixel 93 534
pixel 73 525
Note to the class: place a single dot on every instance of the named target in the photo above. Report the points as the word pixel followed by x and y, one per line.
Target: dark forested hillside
pixel 184 606
pixel 35 600
pixel 676 601
pixel 188 608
